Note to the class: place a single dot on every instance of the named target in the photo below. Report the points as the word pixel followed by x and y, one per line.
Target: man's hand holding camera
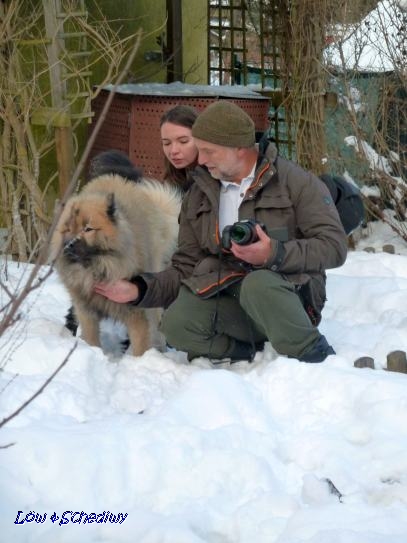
pixel 256 253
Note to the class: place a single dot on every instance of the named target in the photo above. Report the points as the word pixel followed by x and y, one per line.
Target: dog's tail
pixel 165 196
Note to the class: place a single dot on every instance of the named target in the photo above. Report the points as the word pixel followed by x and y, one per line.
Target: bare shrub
pixel 45 100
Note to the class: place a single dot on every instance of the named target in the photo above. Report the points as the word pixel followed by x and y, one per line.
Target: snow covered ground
pixel 157 450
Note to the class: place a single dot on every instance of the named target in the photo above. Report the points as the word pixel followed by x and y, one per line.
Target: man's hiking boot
pixel 319 351
pixel 244 351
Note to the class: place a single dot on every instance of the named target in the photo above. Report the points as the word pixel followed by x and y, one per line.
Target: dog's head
pixel 87 228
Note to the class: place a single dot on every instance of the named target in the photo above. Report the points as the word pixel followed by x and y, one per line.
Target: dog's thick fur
pixel 114 229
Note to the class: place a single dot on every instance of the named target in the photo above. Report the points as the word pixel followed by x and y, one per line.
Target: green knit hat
pixel 225 123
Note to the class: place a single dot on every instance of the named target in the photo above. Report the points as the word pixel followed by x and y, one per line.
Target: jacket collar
pixel 265 167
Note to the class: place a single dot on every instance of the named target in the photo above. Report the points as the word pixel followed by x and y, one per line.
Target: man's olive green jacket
pixel 299 214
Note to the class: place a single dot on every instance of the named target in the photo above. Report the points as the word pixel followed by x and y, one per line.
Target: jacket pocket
pixel 206 266
pixel 274 201
pixel 196 212
pixel 203 224
pixel 277 213
pixel 206 286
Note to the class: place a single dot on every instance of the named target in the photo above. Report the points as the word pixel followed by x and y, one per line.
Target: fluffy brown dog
pixel 114 229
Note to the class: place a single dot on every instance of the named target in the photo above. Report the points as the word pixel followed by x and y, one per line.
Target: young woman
pixel 180 152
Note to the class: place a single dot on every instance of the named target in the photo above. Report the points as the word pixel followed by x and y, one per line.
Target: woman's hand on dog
pixel 120 291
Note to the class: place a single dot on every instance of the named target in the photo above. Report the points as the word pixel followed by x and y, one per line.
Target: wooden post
pixel 389 248
pixel 396 361
pixel 174 41
pixel 364 362
pixel 63 134
pixel 64 151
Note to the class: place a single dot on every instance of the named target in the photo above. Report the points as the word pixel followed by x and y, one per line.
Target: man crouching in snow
pixel 257 233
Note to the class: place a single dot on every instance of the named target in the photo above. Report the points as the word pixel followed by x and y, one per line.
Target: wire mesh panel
pixel 145 141
pixel 115 131
pixel 132 123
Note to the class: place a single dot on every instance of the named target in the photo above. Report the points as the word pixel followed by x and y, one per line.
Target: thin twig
pixel 98 125
pixel 9 318
pixel 40 390
pixel 6 290
pixel 7 446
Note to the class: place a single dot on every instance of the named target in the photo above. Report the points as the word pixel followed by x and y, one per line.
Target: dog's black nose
pixel 69 245
pixel 72 250
pixel 78 251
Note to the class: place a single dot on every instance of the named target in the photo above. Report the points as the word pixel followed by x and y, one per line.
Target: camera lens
pixel 241 234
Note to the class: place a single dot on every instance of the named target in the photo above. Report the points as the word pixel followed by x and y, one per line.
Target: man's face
pixel 222 162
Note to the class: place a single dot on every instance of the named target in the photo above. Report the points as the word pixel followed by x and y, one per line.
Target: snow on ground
pixel 157 450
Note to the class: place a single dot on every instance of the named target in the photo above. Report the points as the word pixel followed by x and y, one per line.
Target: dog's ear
pixel 111 207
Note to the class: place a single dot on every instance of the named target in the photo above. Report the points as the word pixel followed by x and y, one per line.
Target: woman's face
pixel 178 145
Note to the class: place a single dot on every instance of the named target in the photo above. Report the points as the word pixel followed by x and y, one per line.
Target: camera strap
pixel 215 317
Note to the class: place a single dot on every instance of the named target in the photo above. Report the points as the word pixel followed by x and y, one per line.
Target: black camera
pixel 241 232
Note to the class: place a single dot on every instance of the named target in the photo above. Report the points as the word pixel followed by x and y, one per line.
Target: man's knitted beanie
pixel 226 124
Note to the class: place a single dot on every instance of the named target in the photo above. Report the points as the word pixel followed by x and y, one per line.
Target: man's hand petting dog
pixel 120 291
